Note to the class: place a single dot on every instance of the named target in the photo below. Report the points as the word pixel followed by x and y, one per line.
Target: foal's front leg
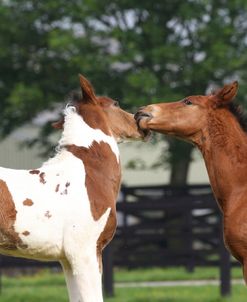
pixel 82 266
pixel 83 277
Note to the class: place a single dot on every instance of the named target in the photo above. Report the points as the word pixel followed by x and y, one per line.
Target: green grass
pixel 168 274
pixel 45 287
pixel 179 294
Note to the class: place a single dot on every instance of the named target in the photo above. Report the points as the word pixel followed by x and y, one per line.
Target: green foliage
pixel 138 52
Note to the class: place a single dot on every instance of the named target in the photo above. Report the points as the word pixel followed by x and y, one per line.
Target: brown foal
pixel 216 126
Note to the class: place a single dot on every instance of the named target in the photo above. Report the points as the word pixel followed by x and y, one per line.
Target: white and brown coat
pixel 65 210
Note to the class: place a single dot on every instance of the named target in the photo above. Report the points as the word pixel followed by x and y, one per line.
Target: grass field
pixel 175 273
pixel 45 287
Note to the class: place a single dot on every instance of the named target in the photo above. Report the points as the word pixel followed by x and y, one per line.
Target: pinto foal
pixel 65 210
pixel 216 126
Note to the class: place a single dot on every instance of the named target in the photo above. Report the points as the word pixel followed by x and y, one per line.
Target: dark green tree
pixel 136 51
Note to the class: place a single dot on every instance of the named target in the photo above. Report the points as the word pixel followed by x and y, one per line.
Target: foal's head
pixel 103 113
pixel 190 115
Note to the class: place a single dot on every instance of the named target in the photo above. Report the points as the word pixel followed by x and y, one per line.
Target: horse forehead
pixel 196 97
pixel 200 99
pixel 105 101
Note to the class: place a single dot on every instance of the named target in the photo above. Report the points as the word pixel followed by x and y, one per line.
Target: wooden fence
pixel 168 226
pixel 162 226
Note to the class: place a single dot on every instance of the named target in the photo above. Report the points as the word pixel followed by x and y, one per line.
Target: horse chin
pixel 142 135
pixel 145 134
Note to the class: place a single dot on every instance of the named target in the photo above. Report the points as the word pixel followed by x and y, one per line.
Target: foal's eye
pixel 187 102
pixel 116 104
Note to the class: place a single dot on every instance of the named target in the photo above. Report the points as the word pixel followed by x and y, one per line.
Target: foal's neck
pixel 78 133
pixel 223 144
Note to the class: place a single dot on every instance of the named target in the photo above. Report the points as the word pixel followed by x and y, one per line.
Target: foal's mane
pixel 240 115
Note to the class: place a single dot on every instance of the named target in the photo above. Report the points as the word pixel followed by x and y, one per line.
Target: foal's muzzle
pixel 141 114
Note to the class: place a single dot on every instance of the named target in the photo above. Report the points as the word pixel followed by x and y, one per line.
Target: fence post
pixel 225 266
pixel 108 271
pixel 190 265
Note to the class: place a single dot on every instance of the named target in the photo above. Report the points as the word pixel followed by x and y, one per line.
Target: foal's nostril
pixel 138 117
pixel 146 114
pixel 141 114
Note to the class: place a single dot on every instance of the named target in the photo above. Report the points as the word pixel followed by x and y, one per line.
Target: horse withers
pixel 65 210
pixel 216 125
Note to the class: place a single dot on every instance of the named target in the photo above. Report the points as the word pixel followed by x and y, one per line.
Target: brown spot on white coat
pixel 42 177
pixel 48 214
pixel 9 239
pixel 57 188
pixel 25 233
pixel 28 202
pixel 99 157
pixel 34 172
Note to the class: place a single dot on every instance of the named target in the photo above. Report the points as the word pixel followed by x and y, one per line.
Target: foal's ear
pixel 226 94
pixel 88 94
pixel 58 124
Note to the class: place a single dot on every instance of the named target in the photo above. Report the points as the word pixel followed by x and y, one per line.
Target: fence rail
pixel 169 226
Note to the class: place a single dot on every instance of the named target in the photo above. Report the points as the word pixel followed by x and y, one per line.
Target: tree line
pixel 137 52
